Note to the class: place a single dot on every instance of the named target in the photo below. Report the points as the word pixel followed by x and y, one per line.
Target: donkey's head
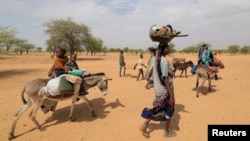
pixel 101 81
pixel 218 63
pixel 190 63
pixel 103 85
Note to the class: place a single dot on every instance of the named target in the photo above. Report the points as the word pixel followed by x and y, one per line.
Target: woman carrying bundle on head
pixel 164 100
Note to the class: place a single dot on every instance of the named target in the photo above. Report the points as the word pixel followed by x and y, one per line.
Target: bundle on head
pixel 163 34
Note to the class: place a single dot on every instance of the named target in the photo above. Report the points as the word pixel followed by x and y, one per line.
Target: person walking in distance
pixel 149 72
pixel 122 64
pixel 140 67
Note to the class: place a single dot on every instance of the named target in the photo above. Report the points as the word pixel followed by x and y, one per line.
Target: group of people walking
pixel 164 100
pixel 160 75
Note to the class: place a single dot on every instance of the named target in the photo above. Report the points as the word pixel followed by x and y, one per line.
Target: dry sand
pixel 118 113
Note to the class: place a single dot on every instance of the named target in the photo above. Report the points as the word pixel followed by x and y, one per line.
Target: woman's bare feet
pixel 143 130
pixel 169 134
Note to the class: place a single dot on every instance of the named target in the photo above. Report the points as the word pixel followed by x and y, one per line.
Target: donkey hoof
pixel 94 114
pixel 11 136
pixel 72 119
pixel 38 127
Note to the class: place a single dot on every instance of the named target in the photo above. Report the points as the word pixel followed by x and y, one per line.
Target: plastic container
pixel 76 72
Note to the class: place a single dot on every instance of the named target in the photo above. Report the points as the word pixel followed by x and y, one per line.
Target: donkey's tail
pixel 22 94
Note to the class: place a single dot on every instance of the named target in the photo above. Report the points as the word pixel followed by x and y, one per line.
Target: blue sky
pixel 126 23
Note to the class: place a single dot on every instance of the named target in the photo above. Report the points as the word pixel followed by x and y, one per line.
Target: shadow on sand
pixel 13 72
pixel 81 112
pixel 204 90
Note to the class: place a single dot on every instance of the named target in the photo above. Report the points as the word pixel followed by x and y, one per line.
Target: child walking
pixel 122 64
pixel 140 67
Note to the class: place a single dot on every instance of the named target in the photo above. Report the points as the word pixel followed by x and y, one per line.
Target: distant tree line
pixel 77 37
pixel 232 49
pixel 9 41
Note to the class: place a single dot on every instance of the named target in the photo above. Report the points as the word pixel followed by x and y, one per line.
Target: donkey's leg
pixel 174 71
pixel 89 105
pixel 72 109
pixel 76 88
pixel 197 86
pixel 203 82
pixel 17 116
pixel 209 85
pixel 181 72
pixel 32 115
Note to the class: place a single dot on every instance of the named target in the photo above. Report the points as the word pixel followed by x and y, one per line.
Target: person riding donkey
pixel 58 68
pixel 217 63
pixel 76 71
pixel 206 58
pixel 72 62
pixel 62 65
pixel 74 67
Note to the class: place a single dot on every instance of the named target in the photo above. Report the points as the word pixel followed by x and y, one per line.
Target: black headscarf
pixel 161 48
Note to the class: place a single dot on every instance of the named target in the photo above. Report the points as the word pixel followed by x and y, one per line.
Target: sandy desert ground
pixel 118 113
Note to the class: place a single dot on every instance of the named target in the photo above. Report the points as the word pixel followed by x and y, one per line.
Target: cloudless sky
pixel 126 23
